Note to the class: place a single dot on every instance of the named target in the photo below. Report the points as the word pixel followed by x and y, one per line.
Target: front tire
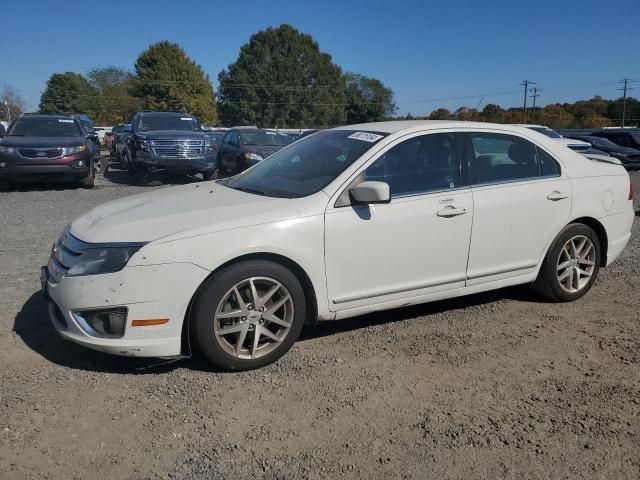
pixel 571 265
pixel 248 315
pixel 88 181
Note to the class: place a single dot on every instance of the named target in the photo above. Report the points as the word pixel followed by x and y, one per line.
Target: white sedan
pixel 340 223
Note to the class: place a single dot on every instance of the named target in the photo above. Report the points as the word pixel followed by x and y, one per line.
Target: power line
pixel 534 96
pixel 625 82
pixel 526 84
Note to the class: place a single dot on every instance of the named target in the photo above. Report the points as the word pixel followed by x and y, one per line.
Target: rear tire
pixel 571 265
pixel 262 286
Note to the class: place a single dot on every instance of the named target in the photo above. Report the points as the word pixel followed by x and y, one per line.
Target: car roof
pixel 165 113
pixel 400 125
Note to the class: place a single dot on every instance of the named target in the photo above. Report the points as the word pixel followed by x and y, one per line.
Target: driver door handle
pixel 451 211
pixel 557 195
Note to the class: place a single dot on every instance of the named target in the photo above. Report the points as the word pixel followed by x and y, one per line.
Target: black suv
pixel 623 137
pixel 242 148
pixel 47 147
pixel 168 141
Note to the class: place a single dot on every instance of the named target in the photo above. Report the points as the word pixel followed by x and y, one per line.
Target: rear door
pixel 521 200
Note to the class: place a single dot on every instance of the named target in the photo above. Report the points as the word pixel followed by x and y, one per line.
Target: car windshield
pixel 261 138
pixel 600 142
pixel 307 166
pixel 216 137
pixel 44 127
pixel 149 123
pixel 546 131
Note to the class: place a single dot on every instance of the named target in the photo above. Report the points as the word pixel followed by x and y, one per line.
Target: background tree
pixel 114 85
pixel 167 79
pixel 368 100
pixel 12 104
pixel 441 114
pixel 69 92
pixel 281 78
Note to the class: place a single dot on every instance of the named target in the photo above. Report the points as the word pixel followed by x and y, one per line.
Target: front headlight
pixel 208 146
pixel 95 261
pixel 6 149
pixel 253 156
pixel 144 145
pixel 71 150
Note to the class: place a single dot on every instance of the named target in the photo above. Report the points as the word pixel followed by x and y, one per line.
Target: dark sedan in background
pixel 47 147
pixel 242 148
pixel 630 157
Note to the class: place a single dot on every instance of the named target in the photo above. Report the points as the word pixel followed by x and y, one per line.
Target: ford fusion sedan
pixel 47 147
pixel 340 223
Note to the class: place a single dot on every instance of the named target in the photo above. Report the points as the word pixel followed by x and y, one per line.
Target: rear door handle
pixel 556 195
pixel 451 211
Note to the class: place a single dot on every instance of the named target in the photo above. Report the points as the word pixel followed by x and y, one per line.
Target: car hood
pixel 624 150
pixel 171 135
pixel 41 142
pixel 150 216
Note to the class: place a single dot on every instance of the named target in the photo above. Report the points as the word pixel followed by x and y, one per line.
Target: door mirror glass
pixel 370 192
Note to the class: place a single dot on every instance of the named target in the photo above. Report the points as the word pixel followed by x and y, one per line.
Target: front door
pixel 415 245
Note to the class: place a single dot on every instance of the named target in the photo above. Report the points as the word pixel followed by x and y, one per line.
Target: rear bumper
pixel 618 229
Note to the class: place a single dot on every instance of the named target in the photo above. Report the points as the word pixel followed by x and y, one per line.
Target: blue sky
pixel 432 54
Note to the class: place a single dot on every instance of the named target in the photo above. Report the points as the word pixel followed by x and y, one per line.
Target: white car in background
pixel 341 223
pixel 577 145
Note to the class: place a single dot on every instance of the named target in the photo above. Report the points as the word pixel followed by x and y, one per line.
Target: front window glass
pixel 149 123
pixel 504 158
pixel 44 127
pixel 418 165
pixel 305 167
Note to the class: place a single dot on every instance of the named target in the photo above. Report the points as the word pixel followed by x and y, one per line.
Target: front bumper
pixel 148 292
pixel 204 163
pixel 15 166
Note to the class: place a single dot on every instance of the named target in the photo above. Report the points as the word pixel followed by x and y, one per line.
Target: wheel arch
pixel 601 232
pixel 311 316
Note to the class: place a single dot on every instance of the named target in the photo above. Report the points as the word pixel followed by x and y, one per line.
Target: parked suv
pixel 242 148
pixel 630 157
pixel 47 146
pixel 168 141
pixel 622 137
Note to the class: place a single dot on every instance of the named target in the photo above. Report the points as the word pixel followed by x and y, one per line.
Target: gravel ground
pixel 496 385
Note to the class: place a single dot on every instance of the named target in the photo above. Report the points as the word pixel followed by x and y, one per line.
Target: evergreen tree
pixel 281 78
pixel 69 92
pixel 168 80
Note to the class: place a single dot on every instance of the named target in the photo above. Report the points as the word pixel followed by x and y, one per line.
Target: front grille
pixel 64 254
pixel 42 153
pixel 177 148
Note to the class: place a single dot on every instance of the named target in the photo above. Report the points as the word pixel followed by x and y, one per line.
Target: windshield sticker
pixel 365 137
pixel 65 121
pixel 186 118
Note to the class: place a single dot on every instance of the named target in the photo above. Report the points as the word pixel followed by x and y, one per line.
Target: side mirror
pixel 370 192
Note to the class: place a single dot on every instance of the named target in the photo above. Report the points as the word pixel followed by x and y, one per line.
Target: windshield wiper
pixel 251 190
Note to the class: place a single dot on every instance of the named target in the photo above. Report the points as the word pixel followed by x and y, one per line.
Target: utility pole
pixel 625 82
pixel 526 84
pixel 6 104
pixel 534 95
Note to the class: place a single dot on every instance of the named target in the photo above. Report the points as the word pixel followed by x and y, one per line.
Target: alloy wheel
pixel 253 317
pixel 576 263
